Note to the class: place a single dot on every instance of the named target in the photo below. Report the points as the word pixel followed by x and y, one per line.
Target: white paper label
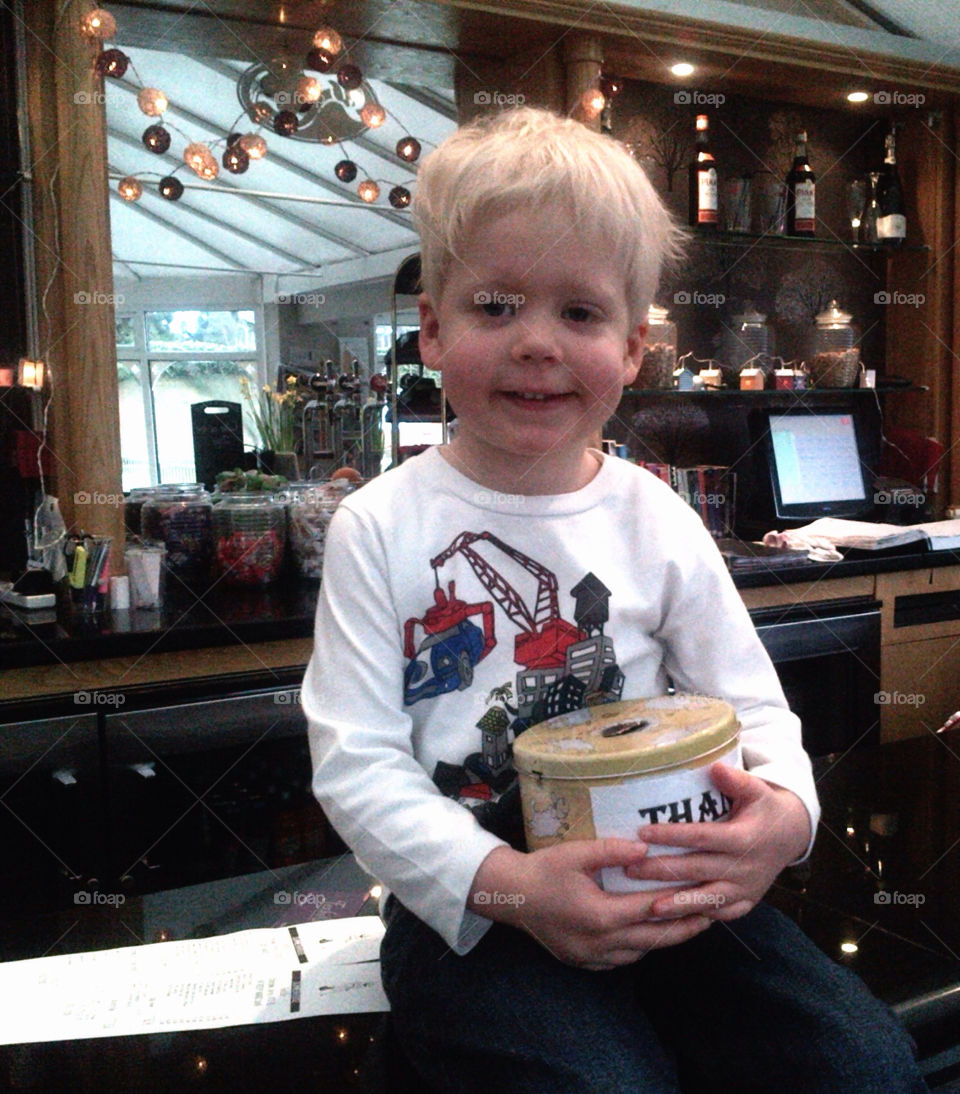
pixel 707 196
pixel 678 797
pixel 893 226
pixel 805 206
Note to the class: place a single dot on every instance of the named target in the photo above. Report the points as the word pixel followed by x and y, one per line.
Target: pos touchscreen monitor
pixel 816 465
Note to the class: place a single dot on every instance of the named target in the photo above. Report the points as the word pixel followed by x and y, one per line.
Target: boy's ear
pixel 633 357
pixel 429 337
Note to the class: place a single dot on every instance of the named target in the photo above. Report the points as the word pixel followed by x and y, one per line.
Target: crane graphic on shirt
pixel 562 666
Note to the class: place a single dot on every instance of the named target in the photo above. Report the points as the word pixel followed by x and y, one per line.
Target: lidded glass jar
pixel 135 499
pixel 659 350
pixel 834 352
pixel 747 338
pixel 249 533
pixel 180 517
pixel 310 508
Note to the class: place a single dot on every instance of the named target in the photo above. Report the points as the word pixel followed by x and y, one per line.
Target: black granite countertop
pixel 218 616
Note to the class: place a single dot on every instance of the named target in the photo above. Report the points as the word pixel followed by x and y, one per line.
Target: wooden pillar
pixel 582 60
pixel 68 166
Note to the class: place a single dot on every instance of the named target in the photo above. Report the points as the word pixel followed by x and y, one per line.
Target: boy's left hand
pixel 731 863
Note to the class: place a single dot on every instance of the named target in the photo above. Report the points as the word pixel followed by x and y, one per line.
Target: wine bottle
pixel 704 204
pixel 892 213
pixel 801 192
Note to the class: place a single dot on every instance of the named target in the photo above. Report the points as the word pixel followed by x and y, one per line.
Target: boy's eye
pixel 579 313
pixel 496 308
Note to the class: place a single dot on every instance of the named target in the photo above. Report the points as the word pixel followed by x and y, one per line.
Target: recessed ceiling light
pixel 858 96
pixel 682 69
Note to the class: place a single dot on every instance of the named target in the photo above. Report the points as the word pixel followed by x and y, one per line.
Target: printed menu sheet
pixel 264 975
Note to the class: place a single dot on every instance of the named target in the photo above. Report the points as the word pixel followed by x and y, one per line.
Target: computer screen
pixel 816 465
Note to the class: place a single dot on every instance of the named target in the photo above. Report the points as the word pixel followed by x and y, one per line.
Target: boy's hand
pixel 731 863
pixel 551 894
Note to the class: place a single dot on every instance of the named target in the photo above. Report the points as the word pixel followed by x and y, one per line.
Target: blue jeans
pixel 748 1006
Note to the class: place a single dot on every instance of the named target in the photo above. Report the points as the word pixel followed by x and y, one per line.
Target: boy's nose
pixel 535 339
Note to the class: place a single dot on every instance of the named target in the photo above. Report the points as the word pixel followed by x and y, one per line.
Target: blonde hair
pixel 528 157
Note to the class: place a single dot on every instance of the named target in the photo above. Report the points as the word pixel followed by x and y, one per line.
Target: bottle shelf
pixel 770 239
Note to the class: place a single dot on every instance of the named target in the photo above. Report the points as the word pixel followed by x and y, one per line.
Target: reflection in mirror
pixel 286 241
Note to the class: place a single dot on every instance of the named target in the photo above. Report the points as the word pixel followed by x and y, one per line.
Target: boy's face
pixel 535 342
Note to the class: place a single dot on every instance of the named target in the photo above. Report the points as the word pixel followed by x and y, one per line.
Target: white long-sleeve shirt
pixel 444 604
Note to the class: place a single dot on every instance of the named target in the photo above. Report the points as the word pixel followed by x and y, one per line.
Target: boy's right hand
pixel 551 894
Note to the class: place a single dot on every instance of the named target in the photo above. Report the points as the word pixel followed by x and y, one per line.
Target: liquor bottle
pixel 892 214
pixel 704 205
pixel 801 193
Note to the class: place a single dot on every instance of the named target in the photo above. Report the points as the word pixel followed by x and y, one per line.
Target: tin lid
pixel 833 316
pixel 625 738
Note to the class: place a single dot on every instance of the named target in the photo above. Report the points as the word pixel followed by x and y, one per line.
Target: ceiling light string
pixel 293 103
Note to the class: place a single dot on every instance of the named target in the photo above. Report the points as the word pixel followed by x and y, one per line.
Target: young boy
pixel 452 587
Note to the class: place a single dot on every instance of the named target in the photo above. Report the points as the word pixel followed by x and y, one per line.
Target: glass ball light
pixel 309 89
pixel 399 197
pixel 112 62
pixel 349 77
pixel 346 170
pixel 170 188
pixel 369 191
pixel 408 148
pixel 592 102
pixel 156 139
pixel 254 145
pixel 235 160
pixel 98 24
pixel 373 115
pixel 130 189
pixel 286 123
pixel 152 101
pixel 328 40
pixel 320 60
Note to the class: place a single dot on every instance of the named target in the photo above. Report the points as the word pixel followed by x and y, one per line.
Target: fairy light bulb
pixel 592 102
pixel 112 62
pixel 170 188
pixel 408 148
pixel 369 191
pixel 345 170
pixel 399 197
pixel 373 115
pixel 199 158
pixel 320 60
pixel 209 169
pixel 130 189
pixel 254 145
pixel 309 89
pixel 152 101
pixel 328 40
pixel 156 139
pixel 349 77
pixel 236 160
pixel 98 24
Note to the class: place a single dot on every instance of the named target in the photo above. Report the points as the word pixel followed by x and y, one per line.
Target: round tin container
pixel 608 770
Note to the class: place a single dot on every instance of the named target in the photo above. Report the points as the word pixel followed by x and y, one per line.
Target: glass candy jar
pixel 833 356
pixel 310 508
pixel 180 517
pixel 249 533
pixel 659 350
